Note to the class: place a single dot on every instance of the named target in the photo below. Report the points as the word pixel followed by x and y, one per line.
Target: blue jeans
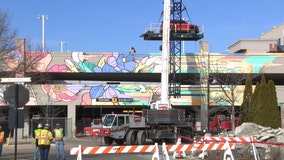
pixel 59 145
pixel 36 154
pixel 44 151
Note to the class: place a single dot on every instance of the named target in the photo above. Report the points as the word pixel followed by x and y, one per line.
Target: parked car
pixel 181 26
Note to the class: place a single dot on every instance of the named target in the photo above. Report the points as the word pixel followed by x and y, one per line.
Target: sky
pixel 116 25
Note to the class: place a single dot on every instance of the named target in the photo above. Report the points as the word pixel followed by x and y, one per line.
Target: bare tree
pixel 7 37
pixel 18 57
pixel 221 76
pixel 227 78
pixel 228 83
pixel 33 54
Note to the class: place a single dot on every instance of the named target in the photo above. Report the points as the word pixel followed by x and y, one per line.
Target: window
pixel 120 120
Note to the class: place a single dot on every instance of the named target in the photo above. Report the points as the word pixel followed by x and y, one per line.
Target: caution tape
pixel 270 143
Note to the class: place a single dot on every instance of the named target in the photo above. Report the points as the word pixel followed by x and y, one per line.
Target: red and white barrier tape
pixel 229 139
pixel 113 149
pixel 238 140
pixel 198 147
pixel 147 148
pixel 210 143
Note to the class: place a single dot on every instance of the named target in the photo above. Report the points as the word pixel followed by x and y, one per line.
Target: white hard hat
pixel 39 125
pixel 47 125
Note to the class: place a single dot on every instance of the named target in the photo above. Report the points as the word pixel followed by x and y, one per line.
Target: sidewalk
pixel 25 148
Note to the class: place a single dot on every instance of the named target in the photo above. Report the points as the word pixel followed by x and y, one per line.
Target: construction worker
pixel 2 133
pixel 44 138
pixel 59 142
pixel 36 152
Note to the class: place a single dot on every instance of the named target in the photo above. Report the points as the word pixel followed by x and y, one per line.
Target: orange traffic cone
pixel 179 154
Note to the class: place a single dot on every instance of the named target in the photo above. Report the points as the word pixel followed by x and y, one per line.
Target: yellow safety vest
pixel 2 136
pixel 44 137
pixel 36 133
pixel 58 134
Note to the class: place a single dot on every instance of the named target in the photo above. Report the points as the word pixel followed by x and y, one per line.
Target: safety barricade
pixel 208 144
pixel 228 153
pixel 207 139
pixel 198 147
pixel 146 148
pixel 113 149
pixel 239 140
pixel 180 148
pixel 164 155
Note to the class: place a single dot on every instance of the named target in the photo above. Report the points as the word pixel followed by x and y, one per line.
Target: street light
pixel 61 43
pixel 43 17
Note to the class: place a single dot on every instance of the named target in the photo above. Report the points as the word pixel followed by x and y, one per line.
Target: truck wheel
pixel 108 140
pixel 130 138
pixel 119 141
pixel 141 137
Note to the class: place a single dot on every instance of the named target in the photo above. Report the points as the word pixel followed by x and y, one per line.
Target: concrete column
pixel 71 113
pixel 205 84
pixel 204 46
pixel 23 133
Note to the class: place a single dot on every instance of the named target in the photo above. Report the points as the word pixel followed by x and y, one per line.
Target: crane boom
pixel 164 101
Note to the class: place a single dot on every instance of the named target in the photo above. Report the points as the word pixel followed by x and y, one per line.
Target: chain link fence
pixel 65 123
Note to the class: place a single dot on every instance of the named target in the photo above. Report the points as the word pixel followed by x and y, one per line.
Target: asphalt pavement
pixel 25 149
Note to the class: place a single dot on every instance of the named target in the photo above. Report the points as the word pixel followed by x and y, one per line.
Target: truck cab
pixel 120 128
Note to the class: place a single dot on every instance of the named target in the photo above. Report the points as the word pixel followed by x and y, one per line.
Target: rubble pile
pixel 259 132
pixel 265 135
pixel 262 134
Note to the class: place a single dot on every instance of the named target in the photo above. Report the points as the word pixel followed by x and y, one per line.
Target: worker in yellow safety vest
pixel 44 137
pixel 2 133
pixel 36 152
pixel 59 134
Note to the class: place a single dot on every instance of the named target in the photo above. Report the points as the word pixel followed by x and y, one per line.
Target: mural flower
pixel 101 91
pixel 118 62
pixel 62 92
pixel 58 68
pixel 80 60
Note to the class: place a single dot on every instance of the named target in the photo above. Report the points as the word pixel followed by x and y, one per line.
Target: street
pixel 25 151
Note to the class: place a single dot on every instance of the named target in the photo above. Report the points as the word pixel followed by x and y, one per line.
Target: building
pixel 269 42
pixel 78 87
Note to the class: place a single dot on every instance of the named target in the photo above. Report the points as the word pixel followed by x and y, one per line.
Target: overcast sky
pixel 115 25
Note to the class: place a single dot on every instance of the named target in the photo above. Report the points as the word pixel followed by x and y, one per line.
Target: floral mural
pixel 92 93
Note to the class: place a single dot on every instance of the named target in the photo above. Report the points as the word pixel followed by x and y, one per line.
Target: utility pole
pixel 43 17
pixel 61 43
